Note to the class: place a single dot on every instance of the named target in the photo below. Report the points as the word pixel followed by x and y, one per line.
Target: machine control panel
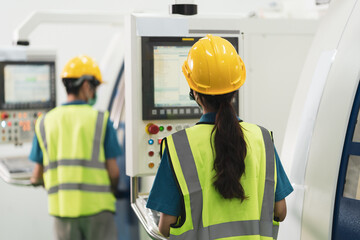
pixel 158 99
pixel 27 89
pixel 154 132
pixel 18 126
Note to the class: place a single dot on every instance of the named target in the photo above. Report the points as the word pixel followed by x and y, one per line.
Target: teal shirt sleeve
pixel 111 145
pixel 36 153
pixel 165 195
pixel 283 185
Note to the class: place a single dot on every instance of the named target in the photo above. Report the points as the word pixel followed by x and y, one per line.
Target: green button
pixel 161 128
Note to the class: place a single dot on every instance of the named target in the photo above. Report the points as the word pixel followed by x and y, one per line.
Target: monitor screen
pixel 27 85
pixel 165 91
pixel 168 61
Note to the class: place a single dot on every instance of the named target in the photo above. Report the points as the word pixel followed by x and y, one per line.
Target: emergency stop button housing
pixel 152 128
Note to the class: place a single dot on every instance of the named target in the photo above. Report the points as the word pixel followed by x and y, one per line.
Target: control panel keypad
pixel 17 126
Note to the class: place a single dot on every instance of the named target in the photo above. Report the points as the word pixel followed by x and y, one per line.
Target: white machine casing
pixel 264 45
pixel 141 25
pixel 318 122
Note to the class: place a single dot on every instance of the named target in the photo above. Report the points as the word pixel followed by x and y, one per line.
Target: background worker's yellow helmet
pixel 213 67
pixel 82 67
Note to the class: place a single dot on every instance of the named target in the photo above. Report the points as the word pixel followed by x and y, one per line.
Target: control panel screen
pixel 165 92
pixel 168 61
pixel 27 85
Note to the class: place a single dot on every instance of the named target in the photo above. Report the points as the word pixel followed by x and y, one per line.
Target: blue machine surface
pixel 347 206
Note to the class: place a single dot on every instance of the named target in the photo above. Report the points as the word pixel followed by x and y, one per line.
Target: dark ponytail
pixel 230 146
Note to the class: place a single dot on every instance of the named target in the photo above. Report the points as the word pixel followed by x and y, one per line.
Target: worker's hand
pixel 165 222
pixel 36 182
pixel 121 194
pixel 37 175
pixel 280 210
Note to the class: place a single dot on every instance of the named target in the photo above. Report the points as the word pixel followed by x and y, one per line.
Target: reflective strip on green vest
pixel 79 186
pixel 263 227
pixel 94 163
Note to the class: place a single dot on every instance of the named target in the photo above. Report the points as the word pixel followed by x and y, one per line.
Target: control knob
pixel 152 128
pixel 4 115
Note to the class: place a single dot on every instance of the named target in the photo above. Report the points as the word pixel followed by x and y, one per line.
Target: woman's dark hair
pixel 230 146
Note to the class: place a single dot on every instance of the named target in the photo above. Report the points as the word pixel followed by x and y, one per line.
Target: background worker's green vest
pixel 71 138
pixel 207 214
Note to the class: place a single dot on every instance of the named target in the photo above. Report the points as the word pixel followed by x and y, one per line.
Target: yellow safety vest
pixel 207 214
pixel 71 138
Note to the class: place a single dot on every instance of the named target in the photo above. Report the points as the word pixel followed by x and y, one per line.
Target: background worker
pixel 217 179
pixel 75 150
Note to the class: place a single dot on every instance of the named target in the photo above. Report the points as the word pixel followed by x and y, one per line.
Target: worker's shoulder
pixel 84 110
pixel 252 128
pixel 200 128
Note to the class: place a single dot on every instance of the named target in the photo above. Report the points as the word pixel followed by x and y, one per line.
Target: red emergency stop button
pixel 4 115
pixel 152 128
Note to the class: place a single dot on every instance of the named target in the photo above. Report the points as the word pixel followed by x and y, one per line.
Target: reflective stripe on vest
pixel 94 163
pixel 79 186
pixel 263 227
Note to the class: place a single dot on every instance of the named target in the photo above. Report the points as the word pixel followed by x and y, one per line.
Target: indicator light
pixel 151 153
pixel 151 141
pixel 161 128
pixel 151 165
pixel 169 128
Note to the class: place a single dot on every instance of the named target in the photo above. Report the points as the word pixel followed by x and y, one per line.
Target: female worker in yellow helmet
pixel 222 178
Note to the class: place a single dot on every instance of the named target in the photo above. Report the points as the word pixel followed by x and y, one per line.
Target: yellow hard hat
pixel 81 66
pixel 213 67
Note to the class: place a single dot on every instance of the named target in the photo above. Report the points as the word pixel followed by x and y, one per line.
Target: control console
pixel 18 126
pixel 154 133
